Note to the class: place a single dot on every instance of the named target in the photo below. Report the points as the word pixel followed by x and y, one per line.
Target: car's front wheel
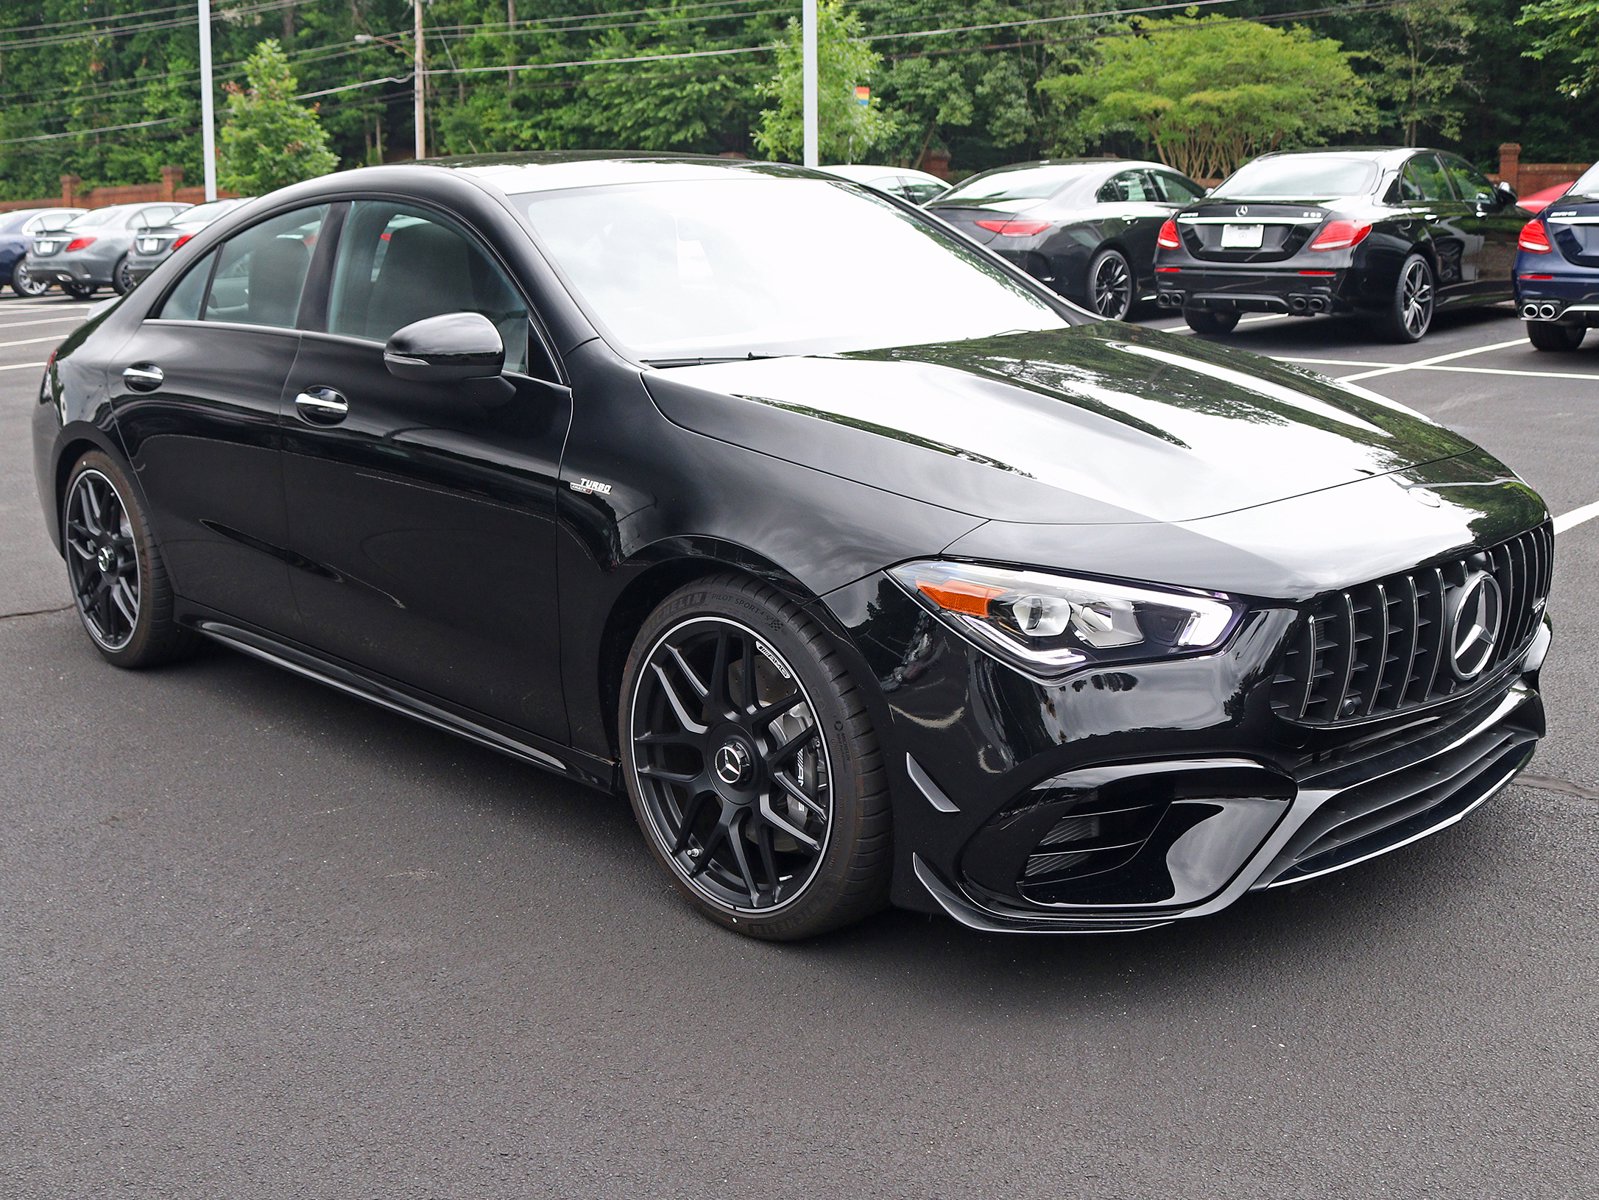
pixel 119 582
pixel 1408 315
pixel 1550 335
pixel 24 284
pixel 1203 320
pixel 751 762
pixel 1110 285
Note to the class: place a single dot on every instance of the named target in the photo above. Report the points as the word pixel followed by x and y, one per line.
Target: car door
pixel 1440 217
pixel 1130 211
pixel 421 514
pixel 197 392
pixel 1495 224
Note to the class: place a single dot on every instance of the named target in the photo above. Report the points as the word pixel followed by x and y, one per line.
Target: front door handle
pixel 322 406
pixel 143 377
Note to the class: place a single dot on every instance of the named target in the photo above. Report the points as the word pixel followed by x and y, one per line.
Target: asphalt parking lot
pixel 260 939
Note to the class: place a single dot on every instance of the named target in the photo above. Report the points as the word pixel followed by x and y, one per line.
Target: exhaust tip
pixel 1529 311
pixel 1547 311
pixel 1297 304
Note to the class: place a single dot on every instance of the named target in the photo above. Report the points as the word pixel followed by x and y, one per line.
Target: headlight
pixel 1048 625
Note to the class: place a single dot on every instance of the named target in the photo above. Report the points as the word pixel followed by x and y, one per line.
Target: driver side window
pixel 1471 183
pixel 1423 180
pixel 398 264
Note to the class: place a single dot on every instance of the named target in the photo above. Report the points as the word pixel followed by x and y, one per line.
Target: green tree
pixel 1422 73
pixel 1209 93
pixel 1568 29
pixel 846 130
pixel 268 138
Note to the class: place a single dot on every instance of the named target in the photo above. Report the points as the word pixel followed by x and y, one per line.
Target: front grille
pixel 1383 647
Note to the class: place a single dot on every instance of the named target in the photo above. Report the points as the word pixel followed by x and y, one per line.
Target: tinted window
pixel 1301 177
pixel 692 268
pixel 261 271
pixel 1025 183
pixel 1423 180
pixel 399 264
pixel 1178 189
pixel 1471 183
pixel 920 191
pixel 183 302
pixel 97 218
pixel 1587 184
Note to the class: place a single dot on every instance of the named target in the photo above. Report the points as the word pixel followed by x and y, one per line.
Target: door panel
pixel 423 530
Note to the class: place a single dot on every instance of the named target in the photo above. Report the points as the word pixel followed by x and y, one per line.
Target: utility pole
pixel 421 102
pixel 208 120
pixel 808 95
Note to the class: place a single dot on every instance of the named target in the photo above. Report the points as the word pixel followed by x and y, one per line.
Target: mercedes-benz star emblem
pixel 731 762
pixel 1475 626
pixel 1243 210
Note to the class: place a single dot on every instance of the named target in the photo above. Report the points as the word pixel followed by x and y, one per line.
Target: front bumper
pixel 1166 790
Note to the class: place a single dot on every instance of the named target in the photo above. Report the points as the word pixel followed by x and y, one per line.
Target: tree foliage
pixel 1567 29
pixel 1208 93
pixel 1421 77
pixel 847 131
pixel 268 138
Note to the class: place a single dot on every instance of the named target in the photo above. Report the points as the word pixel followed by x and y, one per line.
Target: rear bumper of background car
pixel 1556 291
pixel 1302 292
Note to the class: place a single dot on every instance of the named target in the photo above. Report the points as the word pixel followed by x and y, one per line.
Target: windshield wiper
pixel 707 360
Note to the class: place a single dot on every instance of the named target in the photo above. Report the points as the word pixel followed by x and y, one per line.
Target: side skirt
pixel 563 760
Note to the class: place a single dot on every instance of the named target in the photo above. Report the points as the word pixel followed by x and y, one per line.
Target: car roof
pixel 1378 154
pixel 548 171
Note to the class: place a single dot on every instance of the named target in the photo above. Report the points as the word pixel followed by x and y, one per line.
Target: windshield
pixel 1026 183
pixel 1587 185
pixel 204 214
pixel 1300 177
pixel 758 265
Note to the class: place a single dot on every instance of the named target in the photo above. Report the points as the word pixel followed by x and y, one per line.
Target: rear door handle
pixel 322 406
pixel 143 377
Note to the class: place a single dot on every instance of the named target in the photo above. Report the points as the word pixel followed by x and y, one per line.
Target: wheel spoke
pixel 735 839
pixel 717 701
pixel 711 846
pixel 688 723
pixel 790 748
pixel 793 789
pixel 763 840
pixel 686 826
pixel 665 776
pixel 770 815
pixel 688 671
pixel 122 594
pixel 91 504
pixel 762 718
pixel 747 666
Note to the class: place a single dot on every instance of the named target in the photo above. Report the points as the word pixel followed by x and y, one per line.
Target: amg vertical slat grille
pixel 1385 646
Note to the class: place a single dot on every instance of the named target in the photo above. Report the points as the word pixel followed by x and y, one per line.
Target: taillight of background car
pixel 1534 238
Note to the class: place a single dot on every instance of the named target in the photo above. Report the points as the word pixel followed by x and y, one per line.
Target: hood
pixel 1099 423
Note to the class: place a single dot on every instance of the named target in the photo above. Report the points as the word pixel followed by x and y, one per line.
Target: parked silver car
pixel 17 229
pixel 92 252
pixel 152 246
pixel 916 186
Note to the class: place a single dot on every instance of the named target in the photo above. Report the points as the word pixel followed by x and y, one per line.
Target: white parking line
pixel 41 321
pixel 1395 368
pixel 19 366
pixel 54 337
pixel 1576 516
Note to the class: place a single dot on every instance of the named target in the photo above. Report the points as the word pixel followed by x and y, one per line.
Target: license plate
pixel 149 245
pixel 45 247
pixel 1241 237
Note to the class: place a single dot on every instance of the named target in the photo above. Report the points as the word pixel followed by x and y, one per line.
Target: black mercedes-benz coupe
pixel 1085 227
pixel 1392 235
pixel 960 600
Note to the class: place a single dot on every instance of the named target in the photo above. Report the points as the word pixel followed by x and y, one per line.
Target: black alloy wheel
pixel 751 764
pixel 1409 314
pixel 78 291
pixel 1203 320
pixel 1110 281
pixel 122 277
pixel 1551 335
pixel 119 584
pixel 24 284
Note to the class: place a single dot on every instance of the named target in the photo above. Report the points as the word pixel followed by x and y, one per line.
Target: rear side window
pixel 398 264
pixel 1176 189
pixel 183 302
pixel 261 271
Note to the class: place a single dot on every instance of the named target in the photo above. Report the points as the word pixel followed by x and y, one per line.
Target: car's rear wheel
pixel 119 583
pixel 1408 314
pixel 1203 320
pixel 122 277
pixel 1551 335
pixel 751 763
pixel 24 284
pixel 1110 285
pixel 78 291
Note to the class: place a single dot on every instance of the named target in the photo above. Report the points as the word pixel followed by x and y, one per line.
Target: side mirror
pixel 446 349
pixel 1504 194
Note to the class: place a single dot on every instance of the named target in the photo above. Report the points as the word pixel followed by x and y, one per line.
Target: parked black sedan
pixel 962 601
pixel 1086 228
pixel 1391 234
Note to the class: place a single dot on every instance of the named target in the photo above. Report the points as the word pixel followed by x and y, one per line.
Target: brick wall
pixel 1526 177
pixel 75 195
